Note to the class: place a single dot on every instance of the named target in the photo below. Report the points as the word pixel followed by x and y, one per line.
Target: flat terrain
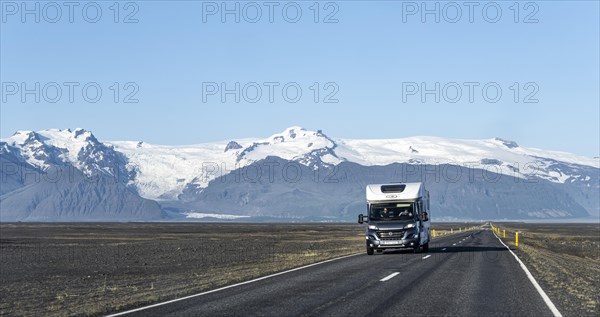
pixel 94 269
pixel 565 259
pixel 90 269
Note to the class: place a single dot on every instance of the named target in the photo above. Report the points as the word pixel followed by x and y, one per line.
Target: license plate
pixel 391 242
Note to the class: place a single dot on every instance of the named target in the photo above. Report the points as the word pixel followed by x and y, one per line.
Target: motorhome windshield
pixel 392 211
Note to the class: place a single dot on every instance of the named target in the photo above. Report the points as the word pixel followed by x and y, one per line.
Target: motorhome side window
pixel 392 211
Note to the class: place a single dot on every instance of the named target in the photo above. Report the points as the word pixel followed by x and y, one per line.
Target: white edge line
pixel 537 286
pixel 425 257
pixel 228 286
pixel 389 277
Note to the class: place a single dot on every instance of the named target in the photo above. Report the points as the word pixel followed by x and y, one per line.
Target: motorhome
pixel 397 217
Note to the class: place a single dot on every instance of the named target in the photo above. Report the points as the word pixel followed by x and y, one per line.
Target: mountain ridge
pixel 180 177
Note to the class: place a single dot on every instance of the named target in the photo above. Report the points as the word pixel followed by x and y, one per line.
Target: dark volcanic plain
pixel 93 269
pixel 90 269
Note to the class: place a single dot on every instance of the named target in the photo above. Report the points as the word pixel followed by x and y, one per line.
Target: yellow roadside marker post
pixel 517 239
pixel 434 233
pixel 504 233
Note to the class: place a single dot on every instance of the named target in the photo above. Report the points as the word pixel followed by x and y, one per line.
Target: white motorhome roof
pixel 397 191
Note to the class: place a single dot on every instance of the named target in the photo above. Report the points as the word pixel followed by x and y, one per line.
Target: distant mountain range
pixel 69 175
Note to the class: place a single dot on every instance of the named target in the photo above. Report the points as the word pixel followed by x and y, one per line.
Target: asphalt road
pixel 465 274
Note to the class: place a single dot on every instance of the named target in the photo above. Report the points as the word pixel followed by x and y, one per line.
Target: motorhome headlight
pixel 373 227
pixel 410 225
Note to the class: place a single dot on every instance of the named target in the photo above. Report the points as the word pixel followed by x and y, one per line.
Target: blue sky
pixel 367 60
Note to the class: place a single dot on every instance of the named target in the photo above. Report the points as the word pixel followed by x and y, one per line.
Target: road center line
pixel 389 277
pixel 425 257
pixel 444 249
pixel 453 243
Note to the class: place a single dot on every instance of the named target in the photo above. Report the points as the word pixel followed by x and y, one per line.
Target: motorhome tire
pixel 369 251
pixel 417 249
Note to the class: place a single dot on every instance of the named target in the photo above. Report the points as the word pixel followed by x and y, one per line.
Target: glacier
pixel 195 179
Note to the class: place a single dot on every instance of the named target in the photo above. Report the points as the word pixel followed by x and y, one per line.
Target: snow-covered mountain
pixel 183 176
pixel 64 175
pixel 163 172
pixel 79 148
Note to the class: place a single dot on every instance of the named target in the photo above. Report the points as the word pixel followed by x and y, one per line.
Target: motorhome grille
pixel 390 234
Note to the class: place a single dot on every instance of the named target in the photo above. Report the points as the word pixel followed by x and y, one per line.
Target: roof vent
pixel 396 188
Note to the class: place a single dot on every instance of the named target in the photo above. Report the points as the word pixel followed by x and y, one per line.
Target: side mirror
pixel 424 217
pixel 361 218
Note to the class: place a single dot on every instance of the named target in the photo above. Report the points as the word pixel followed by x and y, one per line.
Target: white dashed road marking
pixel 389 277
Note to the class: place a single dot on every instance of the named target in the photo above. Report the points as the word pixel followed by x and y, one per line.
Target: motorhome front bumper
pixel 385 244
